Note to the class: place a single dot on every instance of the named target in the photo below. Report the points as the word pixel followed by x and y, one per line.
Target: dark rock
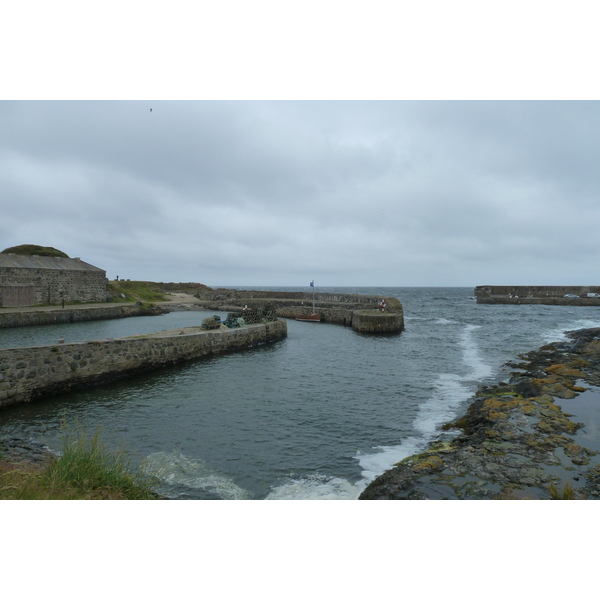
pixel 516 442
pixel 19 450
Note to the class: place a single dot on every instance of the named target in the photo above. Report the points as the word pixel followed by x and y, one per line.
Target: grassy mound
pixel 31 249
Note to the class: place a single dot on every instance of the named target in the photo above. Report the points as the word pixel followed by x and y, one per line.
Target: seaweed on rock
pixel 514 440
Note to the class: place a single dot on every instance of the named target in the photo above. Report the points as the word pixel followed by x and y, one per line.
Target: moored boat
pixel 313 317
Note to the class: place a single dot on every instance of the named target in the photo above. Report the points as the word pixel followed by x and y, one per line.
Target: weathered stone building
pixel 30 280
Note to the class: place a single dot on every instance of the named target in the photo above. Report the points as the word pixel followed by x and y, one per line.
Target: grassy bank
pixel 134 291
pixel 85 470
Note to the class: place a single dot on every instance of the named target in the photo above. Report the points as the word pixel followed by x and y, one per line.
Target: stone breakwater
pixel 517 439
pixel 30 373
pixel 541 294
pixel 358 311
pixel 45 316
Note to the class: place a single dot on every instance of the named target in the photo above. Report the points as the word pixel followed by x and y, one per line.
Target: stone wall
pixel 30 373
pixel 333 307
pixel 365 320
pixel 340 316
pixel 71 280
pixel 22 318
pixel 542 294
pixel 280 298
pixel 374 321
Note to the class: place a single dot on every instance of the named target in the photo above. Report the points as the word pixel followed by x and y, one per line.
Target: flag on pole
pixel 312 283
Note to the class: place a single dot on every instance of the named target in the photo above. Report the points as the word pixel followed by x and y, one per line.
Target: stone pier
pixel 375 321
pixel 22 317
pixel 540 294
pixel 358 311
pixel 35 372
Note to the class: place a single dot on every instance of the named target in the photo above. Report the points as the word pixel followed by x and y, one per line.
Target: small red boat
pixel 314 318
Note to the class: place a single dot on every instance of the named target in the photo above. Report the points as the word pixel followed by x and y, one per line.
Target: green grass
pixel 33 249
pixel 85 470
pixel 567 493
pixel 134 291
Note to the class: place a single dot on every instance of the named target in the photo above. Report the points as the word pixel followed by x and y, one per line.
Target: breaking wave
pixel 558 334
pixel 450 391
pixel 176 470
pixel 315 487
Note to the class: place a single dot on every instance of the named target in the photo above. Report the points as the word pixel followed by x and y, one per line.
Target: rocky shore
pixel 18 450
pixel 533 437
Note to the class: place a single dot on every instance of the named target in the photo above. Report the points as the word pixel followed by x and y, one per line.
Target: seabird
pixel 150 110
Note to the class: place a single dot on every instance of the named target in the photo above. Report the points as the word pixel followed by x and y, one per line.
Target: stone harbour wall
pixel 22 318
pixel 541 294
pixel 340 316
pixel 374 321
pixel 364 321
pixel 358 311
pixel 30 373
pixel 320 297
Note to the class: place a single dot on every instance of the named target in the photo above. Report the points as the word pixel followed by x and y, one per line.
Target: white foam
pixel 443 321
pixel 471 355
pixel 450 391
pixel 385 457
pixel 176 469
pixel 315 487
pixel 558 334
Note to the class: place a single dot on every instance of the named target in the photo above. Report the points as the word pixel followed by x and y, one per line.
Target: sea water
pixel 317 415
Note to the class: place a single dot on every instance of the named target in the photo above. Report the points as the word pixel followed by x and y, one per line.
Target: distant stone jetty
pixel 543 294
pixel 361 312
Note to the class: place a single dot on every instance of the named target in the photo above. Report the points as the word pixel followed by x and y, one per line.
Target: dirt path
pixel 180 301
pixel 178 298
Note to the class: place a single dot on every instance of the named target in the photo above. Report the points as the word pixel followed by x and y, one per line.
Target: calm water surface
pixel 317 415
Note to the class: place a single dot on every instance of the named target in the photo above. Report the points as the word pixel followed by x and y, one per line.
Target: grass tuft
pixel 567 494
pixel 86 470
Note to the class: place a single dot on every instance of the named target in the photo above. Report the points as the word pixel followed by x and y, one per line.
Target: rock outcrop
pixel 515 441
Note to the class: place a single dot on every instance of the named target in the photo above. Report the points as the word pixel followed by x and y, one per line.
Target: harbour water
pixel 315 416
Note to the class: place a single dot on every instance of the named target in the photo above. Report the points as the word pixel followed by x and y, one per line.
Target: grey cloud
pixel 450 193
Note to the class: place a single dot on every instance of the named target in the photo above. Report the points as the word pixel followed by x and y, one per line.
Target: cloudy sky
pixel 365 193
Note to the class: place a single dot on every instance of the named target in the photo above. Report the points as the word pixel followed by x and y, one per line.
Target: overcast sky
pixel 348 193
